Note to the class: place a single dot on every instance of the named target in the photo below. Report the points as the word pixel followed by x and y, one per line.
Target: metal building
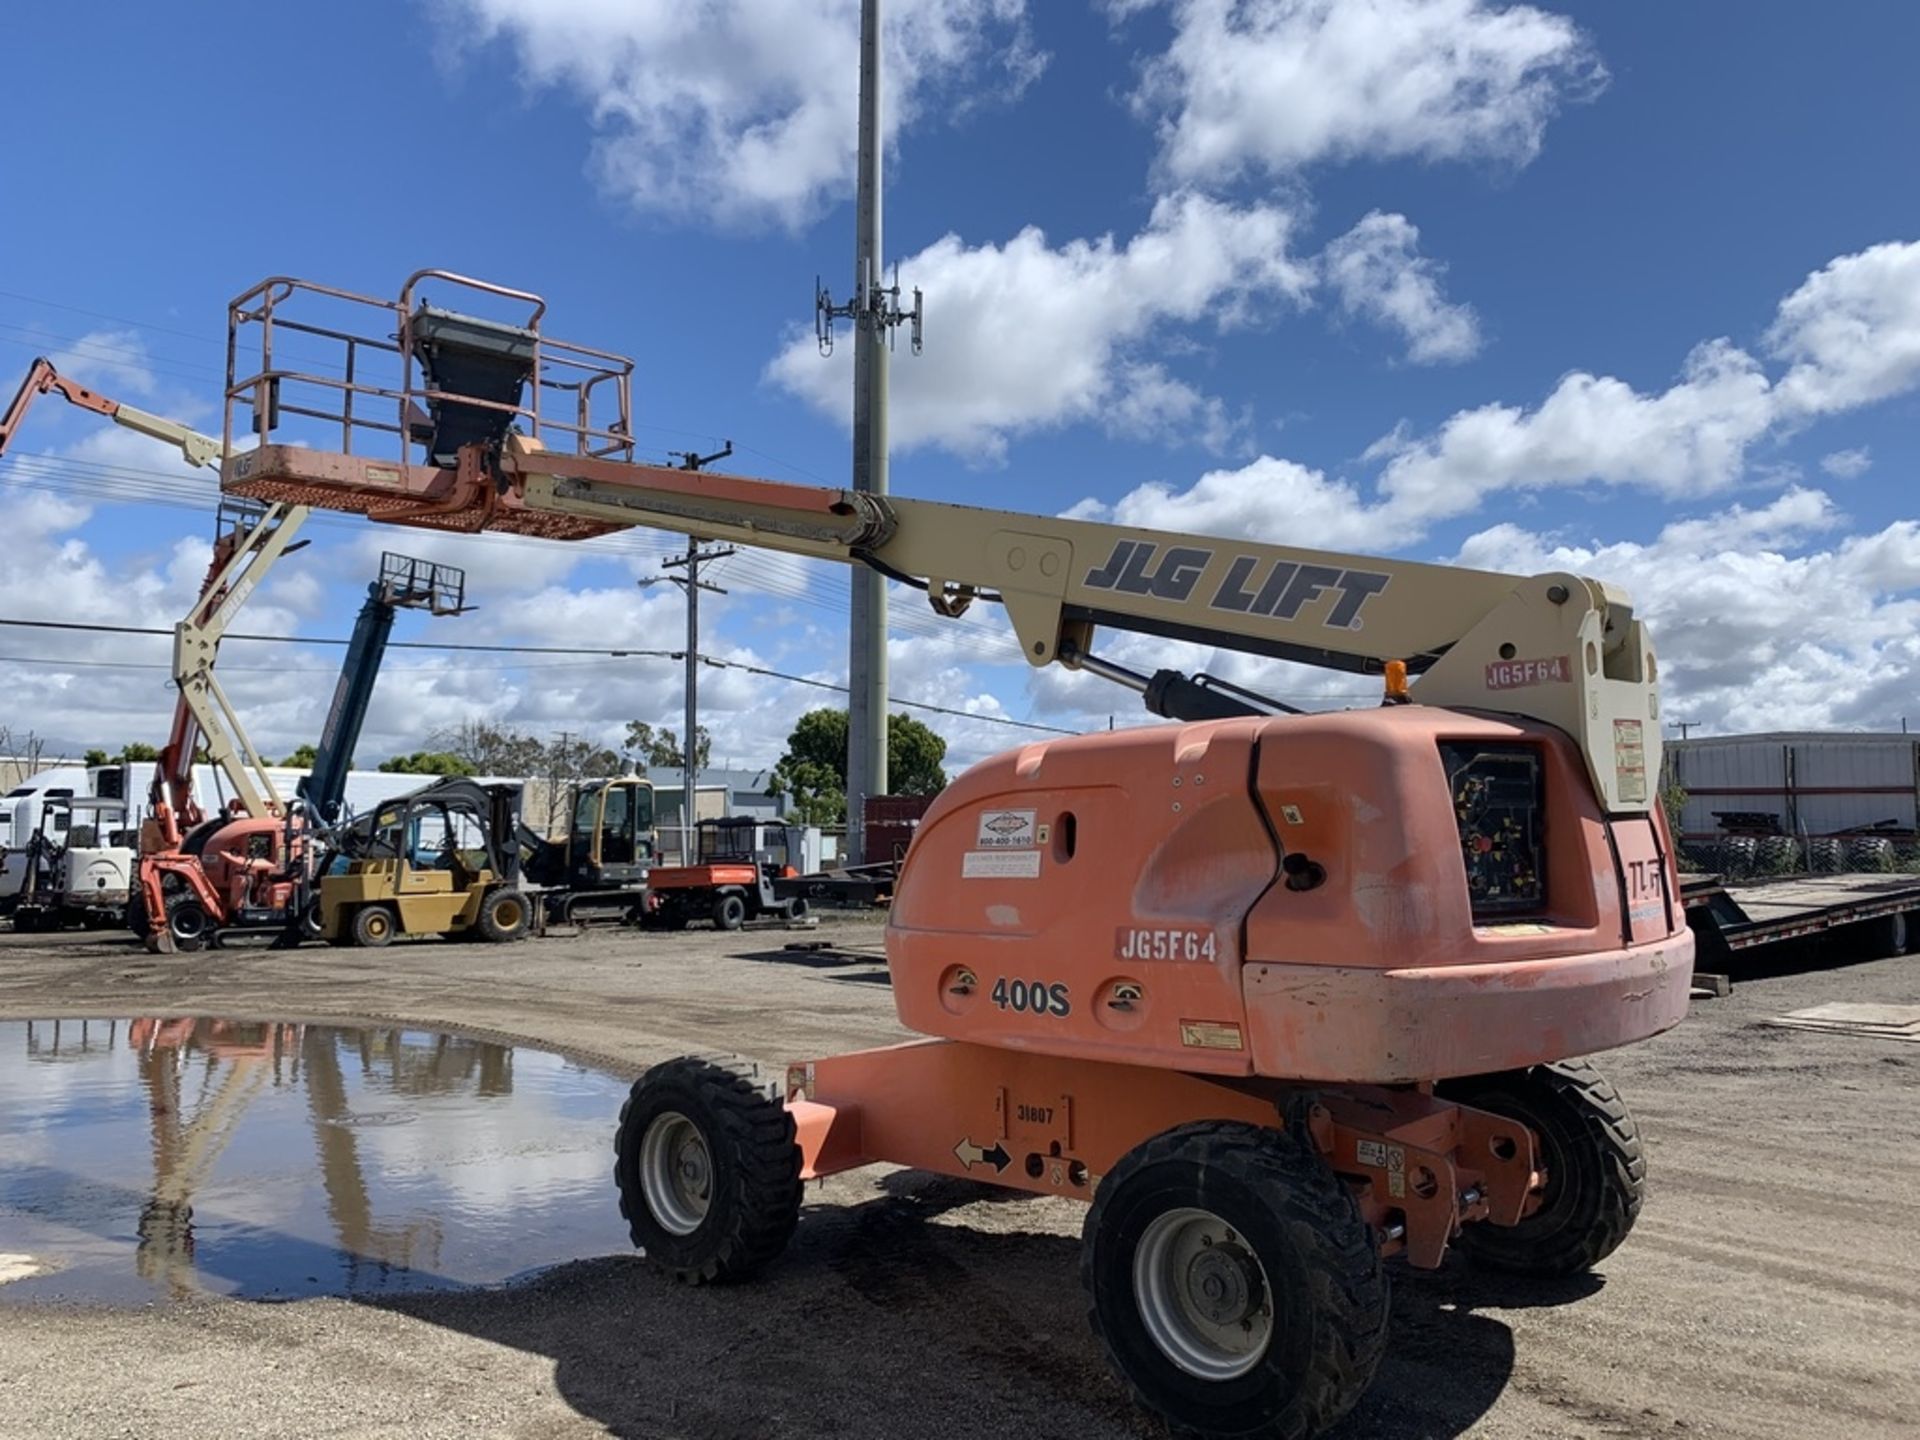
pixel 1811 783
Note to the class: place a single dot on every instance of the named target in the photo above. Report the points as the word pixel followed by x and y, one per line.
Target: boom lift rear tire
pixel 1233 1282
pixel 1596 1170
pixel 708 1169
pixel 373 926
pixel 503 915
pixel 729 911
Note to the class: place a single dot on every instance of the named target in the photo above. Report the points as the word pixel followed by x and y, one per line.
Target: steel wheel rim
pixel 189 922
pixel 676 1172
pixel 507 914
pixel 377 925
pixel 1203 1294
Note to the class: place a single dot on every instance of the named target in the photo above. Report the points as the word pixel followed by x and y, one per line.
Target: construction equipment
pixel 599 869
pixel 1281 994
pixel 75 869
pixel 253 870
pixel 443 860
pixel 404 583
pixel 175 900
pixel 249 867
pixel 742 872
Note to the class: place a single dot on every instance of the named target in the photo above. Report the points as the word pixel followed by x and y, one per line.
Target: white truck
pixel 21 811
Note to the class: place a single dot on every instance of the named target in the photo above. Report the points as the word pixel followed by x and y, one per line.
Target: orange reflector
pixel 1396 683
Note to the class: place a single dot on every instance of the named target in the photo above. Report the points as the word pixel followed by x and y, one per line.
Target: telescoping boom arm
pixel 43 379
pixel 1559 648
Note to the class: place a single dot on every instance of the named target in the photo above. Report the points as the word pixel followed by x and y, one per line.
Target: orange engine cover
pixel 1123 897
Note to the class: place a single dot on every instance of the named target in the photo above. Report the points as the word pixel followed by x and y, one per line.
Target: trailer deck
pixel 1744 915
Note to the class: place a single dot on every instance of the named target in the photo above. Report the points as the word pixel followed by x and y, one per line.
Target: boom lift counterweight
pixel 1280 995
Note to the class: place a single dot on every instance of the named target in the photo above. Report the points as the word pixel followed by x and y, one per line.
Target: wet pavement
pixel 141 1159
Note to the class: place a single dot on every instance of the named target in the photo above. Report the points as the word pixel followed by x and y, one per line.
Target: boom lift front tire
pixel 503 916
pixel 729 911
pixel 1233 1282
pixel 188 921
pixel 708 1170
pixel 1590 1148
pixel 373 926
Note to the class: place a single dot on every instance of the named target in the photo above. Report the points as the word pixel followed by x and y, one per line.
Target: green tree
pixel 813 772
pixel 914 754
pixel 491 749
pixel 96 757
pixel 302 759
pixel 427 762
pixel 138 751
pixel 648 746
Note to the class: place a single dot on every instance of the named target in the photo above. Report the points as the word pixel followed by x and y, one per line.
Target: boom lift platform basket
pixel 1279 994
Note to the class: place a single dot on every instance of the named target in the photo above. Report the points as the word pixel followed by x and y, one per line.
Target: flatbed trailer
pixel 853 887
pixel 1742 917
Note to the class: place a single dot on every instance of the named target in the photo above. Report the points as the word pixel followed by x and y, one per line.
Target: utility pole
pixel 692 585
pixel 559 760
pixel 875 312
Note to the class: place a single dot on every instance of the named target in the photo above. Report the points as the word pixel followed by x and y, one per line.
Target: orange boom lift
pixel 1279 994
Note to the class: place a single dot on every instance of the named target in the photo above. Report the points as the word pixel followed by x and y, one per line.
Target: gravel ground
pixel 1770 1288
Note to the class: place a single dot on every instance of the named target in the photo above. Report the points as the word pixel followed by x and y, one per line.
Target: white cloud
pixel 1276 499
pixel 1757 630
pixel 744 111
pixel 1848 464
pixel 1271 86
pixel 1028 336
pixel 1851 341
pixel 1852 332
pixel 111 360
pixel 1690 437
pixel 1377 271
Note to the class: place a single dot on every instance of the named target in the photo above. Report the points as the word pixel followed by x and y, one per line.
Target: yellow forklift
pixel 440 861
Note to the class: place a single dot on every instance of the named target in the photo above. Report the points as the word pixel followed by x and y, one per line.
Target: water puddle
pixel 146 1158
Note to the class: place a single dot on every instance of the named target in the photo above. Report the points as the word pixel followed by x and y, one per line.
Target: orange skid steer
pixel 1279 995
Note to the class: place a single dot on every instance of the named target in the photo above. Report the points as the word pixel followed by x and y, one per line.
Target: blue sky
pixel 1628 289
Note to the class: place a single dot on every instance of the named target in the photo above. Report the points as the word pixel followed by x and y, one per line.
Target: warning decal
pixel 1001 865
pixel 1630 761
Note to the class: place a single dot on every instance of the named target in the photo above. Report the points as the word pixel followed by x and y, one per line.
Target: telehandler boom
pixel 1279 994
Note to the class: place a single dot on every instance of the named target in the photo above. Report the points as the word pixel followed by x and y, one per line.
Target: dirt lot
pixel 1772 1287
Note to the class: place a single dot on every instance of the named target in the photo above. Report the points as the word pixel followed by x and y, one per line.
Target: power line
pixel 104 629
pixel 891 700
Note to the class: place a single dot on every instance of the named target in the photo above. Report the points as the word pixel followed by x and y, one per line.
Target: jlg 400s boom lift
pixel 1280 995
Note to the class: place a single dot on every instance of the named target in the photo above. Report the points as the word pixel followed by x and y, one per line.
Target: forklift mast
pixel 404 583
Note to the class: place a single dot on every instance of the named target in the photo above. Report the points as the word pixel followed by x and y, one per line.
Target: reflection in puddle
pixel 154 1157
